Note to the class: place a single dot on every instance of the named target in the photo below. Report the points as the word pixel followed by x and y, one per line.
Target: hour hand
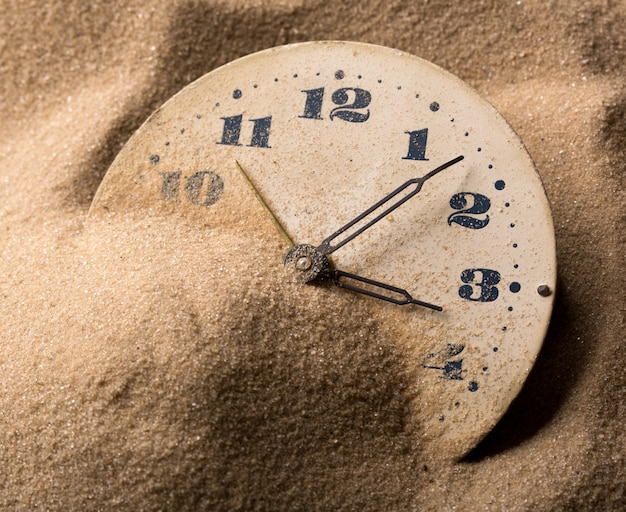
pixel 376 289
pixel 309 264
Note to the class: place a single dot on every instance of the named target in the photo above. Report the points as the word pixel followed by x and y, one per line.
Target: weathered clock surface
pixel 327 131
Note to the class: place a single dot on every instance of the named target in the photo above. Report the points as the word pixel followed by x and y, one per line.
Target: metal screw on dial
pixel 544 290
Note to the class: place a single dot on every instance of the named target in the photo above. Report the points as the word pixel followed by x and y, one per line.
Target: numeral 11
pixel 260 131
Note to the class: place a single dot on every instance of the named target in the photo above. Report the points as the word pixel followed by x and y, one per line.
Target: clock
pixel 387 179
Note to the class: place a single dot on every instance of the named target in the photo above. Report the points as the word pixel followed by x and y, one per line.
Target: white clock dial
pixel 325 130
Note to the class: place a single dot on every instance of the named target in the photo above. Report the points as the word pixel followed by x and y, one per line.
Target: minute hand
pixel 327 247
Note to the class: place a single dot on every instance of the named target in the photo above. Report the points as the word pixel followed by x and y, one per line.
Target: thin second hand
pixel 265 206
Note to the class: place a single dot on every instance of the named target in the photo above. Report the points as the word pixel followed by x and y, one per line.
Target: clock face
pixel 324 131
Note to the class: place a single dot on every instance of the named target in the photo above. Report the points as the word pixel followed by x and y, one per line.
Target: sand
pixel 122 388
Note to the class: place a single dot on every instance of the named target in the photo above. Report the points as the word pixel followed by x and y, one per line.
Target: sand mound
pixel 121 386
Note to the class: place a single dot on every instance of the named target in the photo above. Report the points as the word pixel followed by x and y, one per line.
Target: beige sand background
pixel 114 393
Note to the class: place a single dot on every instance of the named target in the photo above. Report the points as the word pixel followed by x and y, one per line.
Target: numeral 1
pixel 417 145
pixel 260 131
pixel 313 104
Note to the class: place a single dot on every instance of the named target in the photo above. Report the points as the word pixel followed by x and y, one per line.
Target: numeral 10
pixel 202 188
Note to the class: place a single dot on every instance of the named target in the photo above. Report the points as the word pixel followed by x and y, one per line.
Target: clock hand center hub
pixel 306 262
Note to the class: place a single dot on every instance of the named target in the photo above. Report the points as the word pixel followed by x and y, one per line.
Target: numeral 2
pixel 481 204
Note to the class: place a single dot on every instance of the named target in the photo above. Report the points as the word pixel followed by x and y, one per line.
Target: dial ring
pixel 326 128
